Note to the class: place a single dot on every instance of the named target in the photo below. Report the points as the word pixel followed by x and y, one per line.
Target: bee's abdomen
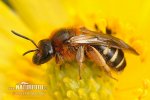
pixel 114 57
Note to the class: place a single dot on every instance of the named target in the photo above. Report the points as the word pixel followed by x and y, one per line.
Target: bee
pixel 70 44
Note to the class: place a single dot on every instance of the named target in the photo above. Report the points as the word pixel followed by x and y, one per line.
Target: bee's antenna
pixel 24 38
pixel 29 51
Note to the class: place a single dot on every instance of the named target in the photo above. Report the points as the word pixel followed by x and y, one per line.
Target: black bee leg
pixel 80 58
pixel 59 60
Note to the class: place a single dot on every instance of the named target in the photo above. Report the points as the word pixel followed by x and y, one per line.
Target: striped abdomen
pixel 114 57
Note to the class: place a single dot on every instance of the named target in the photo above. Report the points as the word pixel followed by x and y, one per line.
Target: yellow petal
pixel 41 16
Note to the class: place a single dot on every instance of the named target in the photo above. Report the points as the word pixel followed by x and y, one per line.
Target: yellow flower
pixel 38 18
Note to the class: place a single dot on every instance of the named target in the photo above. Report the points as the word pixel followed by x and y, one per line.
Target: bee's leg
pixel 59 60
pixel 96 57
pixel 80 58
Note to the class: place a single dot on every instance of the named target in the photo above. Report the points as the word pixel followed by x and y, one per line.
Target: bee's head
pixel 44 50
pixel 44 53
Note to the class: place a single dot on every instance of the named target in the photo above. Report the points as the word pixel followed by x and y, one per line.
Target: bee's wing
pixel 94 38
